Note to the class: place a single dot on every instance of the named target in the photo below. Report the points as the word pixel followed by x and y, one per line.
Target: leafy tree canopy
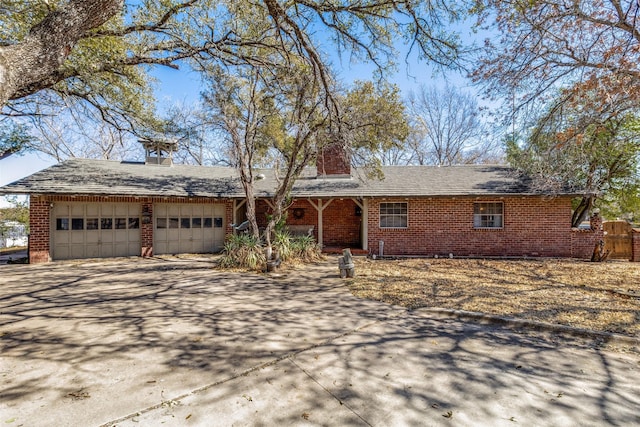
pixel 584 148
pixel 549 44
pixel 89 57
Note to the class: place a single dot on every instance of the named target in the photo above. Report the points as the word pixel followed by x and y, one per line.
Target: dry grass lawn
pixel 596 296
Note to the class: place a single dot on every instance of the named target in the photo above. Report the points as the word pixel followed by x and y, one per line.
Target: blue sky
pixel 183 87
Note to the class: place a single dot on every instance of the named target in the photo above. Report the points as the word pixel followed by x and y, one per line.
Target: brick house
pixel 95 208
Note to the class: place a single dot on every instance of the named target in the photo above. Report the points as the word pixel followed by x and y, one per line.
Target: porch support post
pixel 365 224
pixel 319 208
pixel 364 220
pixel 268 202
pixel 320 234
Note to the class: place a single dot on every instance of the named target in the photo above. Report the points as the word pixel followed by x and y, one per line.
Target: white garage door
pixel 188 228
pixel 95 230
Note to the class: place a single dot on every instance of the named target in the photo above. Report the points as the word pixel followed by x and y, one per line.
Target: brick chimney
pixel 333 161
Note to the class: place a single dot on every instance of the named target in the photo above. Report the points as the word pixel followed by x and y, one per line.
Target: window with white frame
pixel 488 215
pixel 393 215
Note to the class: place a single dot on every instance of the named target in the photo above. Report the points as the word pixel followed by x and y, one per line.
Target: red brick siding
pixel 584 241
pixel 533 226
pixel 146 229
pixel 341 225
pixel 310 215
pixel 39 208
pixel 333 160
pixel 228 215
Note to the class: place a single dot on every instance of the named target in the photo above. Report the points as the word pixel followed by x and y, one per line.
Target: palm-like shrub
pixel 305 248
pixel 245 251
pixel 242 250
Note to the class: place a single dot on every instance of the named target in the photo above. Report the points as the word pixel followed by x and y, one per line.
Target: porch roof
pixel 114 178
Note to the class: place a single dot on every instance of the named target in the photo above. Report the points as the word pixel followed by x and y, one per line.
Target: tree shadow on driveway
pixel 84 344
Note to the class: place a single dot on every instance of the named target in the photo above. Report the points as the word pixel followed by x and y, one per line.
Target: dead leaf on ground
pixel 79 395
pixel 561 291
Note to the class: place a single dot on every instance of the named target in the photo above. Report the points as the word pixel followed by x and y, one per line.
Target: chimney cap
pixel 159 151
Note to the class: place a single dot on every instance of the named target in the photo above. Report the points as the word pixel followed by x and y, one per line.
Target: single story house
pixel 96 208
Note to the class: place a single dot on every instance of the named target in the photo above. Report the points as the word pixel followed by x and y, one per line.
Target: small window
pixel 393 215
pixel 92 223
pixel 185 222
pixel 134 223
pixel 161 222
pixel 106 223
pixel 77 223
pixel 62 223
pixel 208 222
pixel 121 223
pixel 196 222
pixel 217 222
pixel 487 215
pixel 174 222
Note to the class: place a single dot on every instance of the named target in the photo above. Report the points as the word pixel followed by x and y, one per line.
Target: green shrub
pixel 245 251
pixel 305 248
pixel 242 250
pixel 282 244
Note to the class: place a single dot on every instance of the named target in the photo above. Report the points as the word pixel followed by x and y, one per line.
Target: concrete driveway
pixel 147 342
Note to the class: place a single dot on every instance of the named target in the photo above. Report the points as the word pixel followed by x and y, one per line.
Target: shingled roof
pixel 112 178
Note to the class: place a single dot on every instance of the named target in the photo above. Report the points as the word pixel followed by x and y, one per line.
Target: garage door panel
pixel 106 251
pixel 173 234
pixel 161 247
pixel 106 210
pixel 90 230
pixel 93 251
pixel 121 210
pixel 190 228
pixel 121 236
pixel 77 238
pixel 63 253
pixel 77 210
pixel 77 251
pixel 93 210
pixel 121 249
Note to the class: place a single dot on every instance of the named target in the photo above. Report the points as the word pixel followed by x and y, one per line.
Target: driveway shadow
pixel 87 343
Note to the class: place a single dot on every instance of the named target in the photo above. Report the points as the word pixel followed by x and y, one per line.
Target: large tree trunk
pixel 582 210
pixel 250 204
pixel 34 63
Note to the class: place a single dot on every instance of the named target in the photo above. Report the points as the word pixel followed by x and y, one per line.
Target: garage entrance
pixel 188 228
pixel 94 230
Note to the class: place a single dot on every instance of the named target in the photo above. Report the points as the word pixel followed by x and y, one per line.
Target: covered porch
pixel 336 223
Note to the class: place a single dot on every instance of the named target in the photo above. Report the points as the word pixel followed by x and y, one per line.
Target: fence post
pixel 635 245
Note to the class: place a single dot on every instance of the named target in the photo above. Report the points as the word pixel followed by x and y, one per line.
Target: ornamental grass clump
pixel 305 249
pixel 242 250
pixel 245 251
pixel 282 244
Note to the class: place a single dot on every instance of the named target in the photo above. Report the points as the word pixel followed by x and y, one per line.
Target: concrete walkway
pixel 174 342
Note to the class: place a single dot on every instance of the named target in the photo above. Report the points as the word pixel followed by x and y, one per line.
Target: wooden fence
pixel 617 239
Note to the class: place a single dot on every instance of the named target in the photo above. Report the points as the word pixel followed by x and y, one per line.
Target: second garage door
pixel 188 228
